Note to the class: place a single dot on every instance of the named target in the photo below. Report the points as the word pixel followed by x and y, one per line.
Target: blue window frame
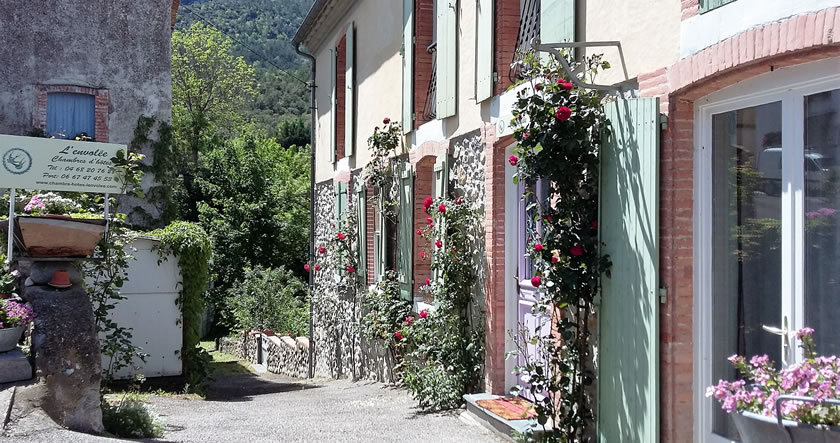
pixel 69 115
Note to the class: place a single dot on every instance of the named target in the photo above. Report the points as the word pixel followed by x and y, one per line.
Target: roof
pixel 322 18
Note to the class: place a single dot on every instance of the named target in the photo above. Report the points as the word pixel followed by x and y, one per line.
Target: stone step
pixel 491 421
pixel 14 366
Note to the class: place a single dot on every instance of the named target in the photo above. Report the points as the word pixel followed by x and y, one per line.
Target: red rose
pixel 513 160
pixel 306 267
pixel 442 208
pixel 341 236
pixel 526 135
pixel 439 244
pixel 317 267
pixel 409 320
pixel 351 269
pixel 555 259
pixel 423 254
pixel 429 220
pixel 538 247
pixel 386 120
pixel 397 335
pixel 322 250
pixel 568 86
pixel 459 200
pixel 428 282
pixel 595 223
pixel 538 86
pixel 576 251
pixel 418 232
pixel 536 281
pixel 424 314
pixel 560 81
pixel 563 113
pixel 549 219
pixel 428 203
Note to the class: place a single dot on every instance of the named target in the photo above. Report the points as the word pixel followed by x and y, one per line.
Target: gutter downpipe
pixel 311 207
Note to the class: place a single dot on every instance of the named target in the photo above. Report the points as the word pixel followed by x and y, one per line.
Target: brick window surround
pixel 101 103
pixel 423 182
pixel 424 35
pixel 506 25
pixel 753 52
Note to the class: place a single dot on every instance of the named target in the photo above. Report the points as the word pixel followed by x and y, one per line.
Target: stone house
pixel 74 67
pixel 729 90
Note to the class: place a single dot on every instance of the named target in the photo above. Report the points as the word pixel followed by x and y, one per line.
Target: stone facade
pixel 281 355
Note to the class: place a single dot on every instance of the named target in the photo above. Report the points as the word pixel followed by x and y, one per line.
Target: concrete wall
pixel 123 47
pixel 378 72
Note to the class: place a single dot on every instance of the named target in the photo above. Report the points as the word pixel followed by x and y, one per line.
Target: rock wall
pixel 282 355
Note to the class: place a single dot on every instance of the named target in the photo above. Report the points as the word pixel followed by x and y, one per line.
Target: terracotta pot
pixel 60 237
pixel 10 337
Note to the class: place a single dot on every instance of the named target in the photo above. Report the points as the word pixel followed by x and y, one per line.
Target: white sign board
pixel 58 165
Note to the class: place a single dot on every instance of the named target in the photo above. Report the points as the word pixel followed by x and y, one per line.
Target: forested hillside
pixel 262 31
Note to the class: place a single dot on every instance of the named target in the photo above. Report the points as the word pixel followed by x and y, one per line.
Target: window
pixel 343 95
pixel 769 190
pixel 70 115
pixel 708 5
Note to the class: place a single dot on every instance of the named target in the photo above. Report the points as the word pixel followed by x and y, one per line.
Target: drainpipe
pixel 311 207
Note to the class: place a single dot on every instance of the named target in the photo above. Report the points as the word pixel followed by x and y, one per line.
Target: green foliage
pixel 272 299
pixel 559 129
pixel 386 310
pixel 444 349
pixel 193 248
pixel 382 146
pixel 253 201
pixel 159 137
pixel 131 418
pixel 7 277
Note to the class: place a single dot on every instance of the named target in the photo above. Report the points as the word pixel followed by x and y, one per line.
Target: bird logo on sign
pixel 17 161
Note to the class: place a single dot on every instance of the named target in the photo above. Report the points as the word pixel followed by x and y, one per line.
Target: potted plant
pixel 54 227
pixel 794 404
pixel 14 317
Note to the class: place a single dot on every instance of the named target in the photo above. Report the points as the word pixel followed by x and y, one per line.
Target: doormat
pixel 509 408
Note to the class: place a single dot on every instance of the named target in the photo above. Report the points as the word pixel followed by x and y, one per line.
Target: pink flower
pixel 555 259
pixel 536 281
pixel 340 236
pixel 317 267
pixel 409 320
pixel 424 314
pixel 306 267
pixel 513 160
pixel 428 203
pixel 397 335
pixel 423 254
pixel 442 208
pixel 576 251
pixel 386 120
pixel 526 135
pixel 459 200
pixel 568 86
pixel 803 332
pixel 439 244
pixel 563 113
pixel 322 250
pixel 351 269
pixel 538 247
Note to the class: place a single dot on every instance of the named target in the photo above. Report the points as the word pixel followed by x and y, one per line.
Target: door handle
pixel 784 333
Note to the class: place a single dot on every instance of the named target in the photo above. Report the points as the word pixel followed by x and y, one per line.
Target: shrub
pixel 386 309
pixel 270 299
pixel 131 418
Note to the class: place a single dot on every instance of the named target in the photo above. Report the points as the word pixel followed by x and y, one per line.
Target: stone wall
pixel 282 355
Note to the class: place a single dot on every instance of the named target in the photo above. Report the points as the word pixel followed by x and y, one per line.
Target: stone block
pixel 14 366
pixel 41 272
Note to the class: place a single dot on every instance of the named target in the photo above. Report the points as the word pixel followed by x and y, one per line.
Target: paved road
pixel 248 408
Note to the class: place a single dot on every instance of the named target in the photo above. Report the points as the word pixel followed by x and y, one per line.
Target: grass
pixel 225 364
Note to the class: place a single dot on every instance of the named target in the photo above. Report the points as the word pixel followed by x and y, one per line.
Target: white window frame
pixel 790 86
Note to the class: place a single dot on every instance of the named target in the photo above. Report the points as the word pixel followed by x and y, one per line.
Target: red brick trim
pixel 429 148
pixel 507 30
pixel 424 18
pixel 101 104
pixel 689 8
pixel 423 182
pixel 750 53
pixel 342 176
pixel 340 92
pixel 371 211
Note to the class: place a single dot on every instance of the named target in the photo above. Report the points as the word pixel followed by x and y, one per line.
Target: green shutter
pixel 405 243
pixel 408 66
pixel 333 104
pixel 379 240
pixel 446 57
pixel 628 379
pixel 350 81
pixel 557 21
pixel 340 204
pixel 361 215
pixel 484 37
pixel 708 5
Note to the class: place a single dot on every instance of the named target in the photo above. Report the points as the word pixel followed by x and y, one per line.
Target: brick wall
pixel 690 8
pixel 424 28
pixel 100 107
pixel 507 29
pixel 750 53
pixel 423 182
pixel 340 92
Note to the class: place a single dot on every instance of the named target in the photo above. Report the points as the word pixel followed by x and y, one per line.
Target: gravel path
pixel 271 408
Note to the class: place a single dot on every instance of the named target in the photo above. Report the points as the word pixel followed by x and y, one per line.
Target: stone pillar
pixel 68 362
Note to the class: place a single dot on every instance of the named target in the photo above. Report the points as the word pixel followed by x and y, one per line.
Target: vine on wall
pixel 558 129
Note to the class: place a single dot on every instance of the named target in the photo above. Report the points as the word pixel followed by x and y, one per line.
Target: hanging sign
pixel 58 165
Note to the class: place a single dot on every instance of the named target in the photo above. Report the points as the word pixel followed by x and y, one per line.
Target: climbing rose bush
pixel 761 384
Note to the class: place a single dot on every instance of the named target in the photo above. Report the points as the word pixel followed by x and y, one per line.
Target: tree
pixel 210 86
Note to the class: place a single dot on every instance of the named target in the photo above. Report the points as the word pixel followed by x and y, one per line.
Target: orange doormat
pixel 509 408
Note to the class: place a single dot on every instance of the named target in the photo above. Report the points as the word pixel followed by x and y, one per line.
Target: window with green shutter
pixel 405 242
pixel 407 50
pixel 484 39
pixel 333 104
pixel 446 57
pixel 340 204
pixel 557 21
pixel 361 215
pixel 349 95
pixel 708 5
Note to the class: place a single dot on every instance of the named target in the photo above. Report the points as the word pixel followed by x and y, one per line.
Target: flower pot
pixel 60 237
pixel 9 338
pixel 755 428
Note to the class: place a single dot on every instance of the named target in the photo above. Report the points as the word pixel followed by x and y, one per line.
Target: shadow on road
pixel 242 387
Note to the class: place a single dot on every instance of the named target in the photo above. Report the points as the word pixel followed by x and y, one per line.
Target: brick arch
pixel 101 104
pixel 795 40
